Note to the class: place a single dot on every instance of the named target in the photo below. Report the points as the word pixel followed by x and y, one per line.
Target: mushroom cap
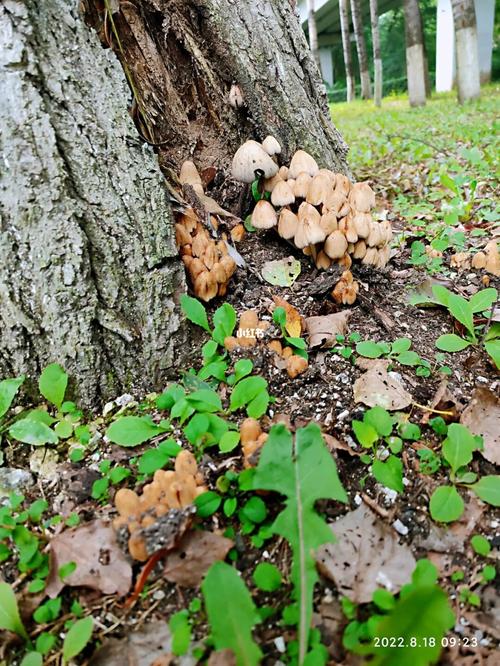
pixel 264 216
pixel 329 222
pixel 331 175
pixel 250 430
pixel 249 158
pixel 283 172
pixel 287 224
pixel 309 230
pixel 302 161
pixel 359 250
pixel 282 194
pixel 307 210
pixel 335 245
pixel 334 201
pixel 346 225
pixel 375 235
pixel 270 183
pixel 301 185
pixel 371 256
pixel 271 145
pixel 323 261
pixel 319 188
pixel 479 260
pixel 362 224
pixel 362 197
pixel 342 184
pixel 205 286
pixel 189 174
pixel 386 231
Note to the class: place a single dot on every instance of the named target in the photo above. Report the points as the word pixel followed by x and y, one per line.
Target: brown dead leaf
pixel 366 556
pixel 482 417
pixel 148 646
pixel 323 330
pixel 488 619
pixel 197 551
pixel 452 539
pixel 334 443
pixel 293 318
pixel 377 387
pixel 444 400
pixel 222 658
pixel 100 563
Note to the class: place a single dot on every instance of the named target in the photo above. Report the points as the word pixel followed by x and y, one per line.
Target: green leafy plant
pixel 231 613
pixel 267 577
pixel 298 345
pixel 180 626
pixel 77 638
pixel 9 612
pixel 110 476
pixel 463 310
pixel 302 470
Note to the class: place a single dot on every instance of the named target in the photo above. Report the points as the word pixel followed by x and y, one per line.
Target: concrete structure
pixel 328 25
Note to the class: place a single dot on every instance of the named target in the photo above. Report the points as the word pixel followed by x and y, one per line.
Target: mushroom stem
pixel 314 253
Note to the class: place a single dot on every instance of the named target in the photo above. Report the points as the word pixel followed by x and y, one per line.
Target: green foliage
pixel 207 503
pixel 488 489
pixel 267 577
pixel 9 612
pixel 32 432
pixel 458 446
pixel 251 393
pixel 32 659
pixel 154 459
pixel 303 471
pixel 231 613
pixel 298 345
pixel 77 638
pixel 446 505
pixel 8 390
pixel 53 383
pixel 133 430
pixel 480 544
pixel 398 351
pixel 194 311
pixel 180 627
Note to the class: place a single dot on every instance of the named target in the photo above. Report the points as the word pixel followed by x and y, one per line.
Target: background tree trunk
pixel 468 80
pixel 313 33
pixel 88 274
pixel 377 59
pixel 415 57
pixel 346 46
pixel 359 35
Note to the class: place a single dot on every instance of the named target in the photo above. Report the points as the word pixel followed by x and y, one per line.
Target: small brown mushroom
pixel 362 197
pixel 335 245
pixel 264 216
pixel 205 286
pixel 319 188
pixel 237 233
pixel 287 224
pixel 362 224
pixel 329 223
pixel 282 195
pixel 302 161
pixel 296 365
pixel 479 260
pixel 301 185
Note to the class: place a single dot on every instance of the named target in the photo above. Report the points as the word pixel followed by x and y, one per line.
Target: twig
pixel 488 323
pixel 430 409
pixel 426 143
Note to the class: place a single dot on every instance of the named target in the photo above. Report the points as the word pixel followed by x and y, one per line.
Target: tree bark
pixel 346 46
pixel 359 35
pixel 377 58
pixel 468 79
pixel 88 269
pixel 415 56
pixel 313 33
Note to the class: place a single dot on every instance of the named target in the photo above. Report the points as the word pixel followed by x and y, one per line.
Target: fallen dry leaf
pixel 444 400
pixel 488 619
pixel 334 443
pixel 482 417
pixel 378 387
pixel 100 563
pixel 222 658
pixel 197 551
pixel 293 323
pixel 452 539
pixel 147 646
pixel 323 330
pixel 366 556
pixel 281 272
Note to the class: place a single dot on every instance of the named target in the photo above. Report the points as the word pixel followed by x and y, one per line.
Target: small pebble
pixel 280 644
pixel 357 500
pixel 400 527
pixel 159 594
pixel 343 415
pixel 266 555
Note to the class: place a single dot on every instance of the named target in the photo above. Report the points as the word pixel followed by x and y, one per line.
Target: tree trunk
pixel 313 33
pixel 377 59
pixel 468 80
pixel 415 56
pixel 346 46
pixel 88 268
pixel 359 35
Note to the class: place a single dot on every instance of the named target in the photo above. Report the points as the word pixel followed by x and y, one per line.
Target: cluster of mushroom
pixel 250 329
pixel 252 439
pixel 320 211
pixel 207 261
pixel 168 490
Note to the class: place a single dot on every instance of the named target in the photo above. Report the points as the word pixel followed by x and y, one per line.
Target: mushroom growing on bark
pixel 251 161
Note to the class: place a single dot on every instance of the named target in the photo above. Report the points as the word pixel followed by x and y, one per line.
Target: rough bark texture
pixel 88 274
pixel 415 56
pixel 313 33
pixel 468 79
pixel 346 46
pixel 359 35
pixel 377 58
pixel 184 55
pixel 87 270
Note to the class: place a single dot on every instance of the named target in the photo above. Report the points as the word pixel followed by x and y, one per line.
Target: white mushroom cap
pixel 362 197
pixel 302 161
pixel 362 223
pixel 264 216
pixel 335 245
pixel 271 145
pixel 282 194
pixel 319 188
pixel 301 186
pixel 287 224
pixel 249 159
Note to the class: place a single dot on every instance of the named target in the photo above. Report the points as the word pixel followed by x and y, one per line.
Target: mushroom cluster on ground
pixel 207 261
pixel 168 490
pixel 321 212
